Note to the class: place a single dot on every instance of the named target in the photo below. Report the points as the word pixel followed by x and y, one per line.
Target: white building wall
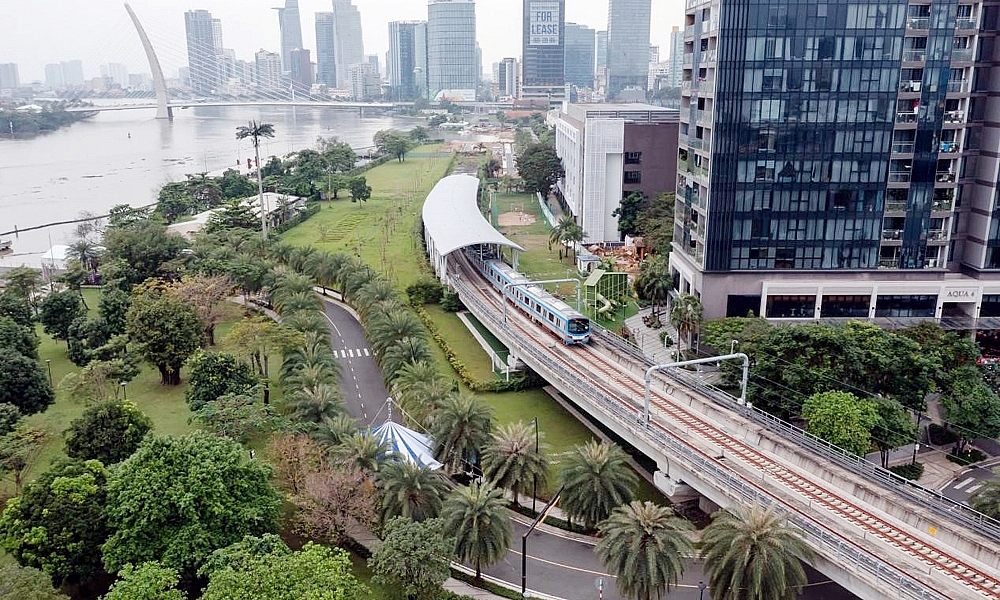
pixel 569 148
pixel 602 177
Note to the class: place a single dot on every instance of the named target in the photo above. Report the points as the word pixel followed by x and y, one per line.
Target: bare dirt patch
pixel 516 219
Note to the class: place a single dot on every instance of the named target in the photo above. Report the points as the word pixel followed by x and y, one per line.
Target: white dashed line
pixel 964 483
pixel 350 353
pixel 366 352
pixel 974 489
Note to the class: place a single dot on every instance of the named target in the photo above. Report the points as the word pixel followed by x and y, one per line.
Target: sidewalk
pixel 649 339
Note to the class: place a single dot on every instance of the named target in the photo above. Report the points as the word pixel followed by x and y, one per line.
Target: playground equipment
pixel 604 293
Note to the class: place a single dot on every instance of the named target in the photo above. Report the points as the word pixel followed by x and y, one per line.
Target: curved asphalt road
pixel 558 565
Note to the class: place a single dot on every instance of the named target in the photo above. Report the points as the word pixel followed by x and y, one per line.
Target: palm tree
pixel 643 546
pixel 403 352
pixel 330 432
pixel 298 302
pixel 324 266
pixel 362 450
pixel 686 315
pixel 310 375
pixel 482 530
pixel 87 253
pixel 655 282
pixel 316 352
pixel 410 491
pixel 987 499
pixel 372 294
pixel 386 329
pixel 556 233
pixel 753 554
pixel 510 459
pixel 419 388
pixel 314 404
pixel 307 322
pixel 255 131
pixel 574 234
pixel 596 478
pixel 460 427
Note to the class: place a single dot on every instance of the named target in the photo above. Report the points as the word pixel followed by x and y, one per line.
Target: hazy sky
pixel 36 32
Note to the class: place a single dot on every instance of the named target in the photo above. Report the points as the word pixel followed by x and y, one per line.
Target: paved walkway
pixel 649 338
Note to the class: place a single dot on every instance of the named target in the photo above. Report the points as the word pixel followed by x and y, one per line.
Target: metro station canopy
pixel 452 219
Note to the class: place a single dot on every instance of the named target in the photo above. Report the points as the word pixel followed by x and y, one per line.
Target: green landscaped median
pixel 381 230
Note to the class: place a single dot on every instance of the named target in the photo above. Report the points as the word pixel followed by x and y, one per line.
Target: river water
pixel 126 156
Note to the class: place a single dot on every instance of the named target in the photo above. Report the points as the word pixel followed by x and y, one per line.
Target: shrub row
pixel 310 210
pixel 911 471
pixel 968 457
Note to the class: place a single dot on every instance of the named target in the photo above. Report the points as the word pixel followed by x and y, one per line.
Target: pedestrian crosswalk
pixel 352 353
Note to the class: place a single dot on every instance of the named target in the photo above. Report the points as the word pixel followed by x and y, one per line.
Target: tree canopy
pixel 109 432
pixel 143 248
pixel 215 374
pixel 23 383
pixel 392 143
pixel 58 310
pixel 414 558
pixel 166 329
pixel 540 168
pixel 27 583
pixel 842 419
pixel 18 337
pixel 177 499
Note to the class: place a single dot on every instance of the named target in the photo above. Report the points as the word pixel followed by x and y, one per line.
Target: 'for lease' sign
pixel 543 24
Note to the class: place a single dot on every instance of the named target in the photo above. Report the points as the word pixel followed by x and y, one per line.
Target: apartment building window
pixel 845 306
pixel 633 177
pixel 905 306
pixel 633 158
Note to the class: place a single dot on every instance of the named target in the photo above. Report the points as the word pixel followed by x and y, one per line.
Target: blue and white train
pixel 544 308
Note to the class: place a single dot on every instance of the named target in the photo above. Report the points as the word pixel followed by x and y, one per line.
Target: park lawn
pixel 461 340
pixel 381 230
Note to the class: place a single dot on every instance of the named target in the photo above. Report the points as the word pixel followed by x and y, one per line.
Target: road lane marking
pixel 366 352
pixel 974 489
pixel 959 486
pixel 350 353
pixel 561 565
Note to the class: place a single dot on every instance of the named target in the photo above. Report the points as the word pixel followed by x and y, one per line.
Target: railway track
pixel 583 361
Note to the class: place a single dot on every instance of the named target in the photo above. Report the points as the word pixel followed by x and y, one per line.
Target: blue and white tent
pixel 408 444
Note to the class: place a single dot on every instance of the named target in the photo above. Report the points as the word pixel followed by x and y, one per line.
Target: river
pixel 126 156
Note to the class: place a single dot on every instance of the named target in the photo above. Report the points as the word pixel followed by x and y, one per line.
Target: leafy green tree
pixel 643 546
pixel 892 365
pixel 360 190
pixel 215 374
pixel 313 572
pixel 232 184
pixel 242 554
pixel 540 168
pixel 419 134
pixel 414 558
pixel 238 416
pixel 58 310
pixel 842 419
pixel 175 201
pixel 177 499
pixel 166 329
pixel 23 383
pixel 948 350
pixel 18 338
pixel 23 282
pixel 340 157
pixel 410 491
pixel 482 530
pixel 109 432
pixel 27 583
pixel 894 428
pixel 145 249
pixel 753 554
pixel 628 212
pixel 686 315
pixel 233 214
pixel 17 308
pixel 511 461
pixel 425 291
pixel 10 416
pixel 971 406
pixel 257 339
pixel 392 143
pixel 58 523
pixel 987 499
pixel 113 308
pixel 147 581
pixel 460 429
pixel 17 448
pixel 596 478
pixel 655 223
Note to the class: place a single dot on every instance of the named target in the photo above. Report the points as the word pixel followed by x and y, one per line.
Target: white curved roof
pixel 452 218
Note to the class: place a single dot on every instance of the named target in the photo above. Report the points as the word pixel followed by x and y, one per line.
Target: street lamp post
pixel 48 364
pixel 916 444
pixel 738 356
pixel 124 393
pixel 524 540
pixel 701 589
pixel 732 345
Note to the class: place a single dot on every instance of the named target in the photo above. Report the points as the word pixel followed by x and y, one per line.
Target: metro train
pixel 544 308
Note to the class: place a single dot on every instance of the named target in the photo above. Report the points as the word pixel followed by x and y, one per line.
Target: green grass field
pixel 381 230
pixel 462 342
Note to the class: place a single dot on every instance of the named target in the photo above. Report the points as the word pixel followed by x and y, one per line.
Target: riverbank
pixel 28 124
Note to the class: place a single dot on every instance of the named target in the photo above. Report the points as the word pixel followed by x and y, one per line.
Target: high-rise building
pixel 54 76
pixel 9 78
pixel 628 45
pixel 291 32
pixel 301 75
pixel 269 73
pixel 654 54
pixel 407 59
pixel 204 50
pixel 451 49
pixel 326 61
pixel 372 59
pixel 579 62
pixel 72 72
pixel 839 161
pixel 363 81
pixel 506 79
pixel 601 53
pixel 676 60
pixel 543 50
pixel 349 47
pixel 115 74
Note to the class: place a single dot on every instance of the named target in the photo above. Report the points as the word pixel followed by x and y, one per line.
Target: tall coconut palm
pixel 316 351
pixel 411 491
pixel 643 546
pixel 686 315
pixel 403 352
pixel 596 478
pixel 386 329
pixel 511 460
pixel 373 293
pixel 987 499
pixel 87 253
pixel 363 451
pixel 753 554
pixel 460 427
pixel 482 529
pixel 255 131
pixel 314 404
pixel 330 432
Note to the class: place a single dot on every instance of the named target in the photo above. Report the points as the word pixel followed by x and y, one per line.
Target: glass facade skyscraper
pixel 628 45
pixel 326 61
pixel 349 46
pixel 543 50
pixel 825 154
pixel 204 50
pixel 451 47
pixel 407 59
pixel 291 32
pixel 579 62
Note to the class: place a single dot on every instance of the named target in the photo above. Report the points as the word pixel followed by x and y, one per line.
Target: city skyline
pixel 83 31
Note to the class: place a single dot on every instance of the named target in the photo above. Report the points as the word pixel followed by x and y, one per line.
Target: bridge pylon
pixel 163 110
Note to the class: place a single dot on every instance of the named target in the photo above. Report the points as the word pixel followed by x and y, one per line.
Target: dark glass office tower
pixel 407 59
pixel 543 50
pixel 580 42
pixel 825 150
